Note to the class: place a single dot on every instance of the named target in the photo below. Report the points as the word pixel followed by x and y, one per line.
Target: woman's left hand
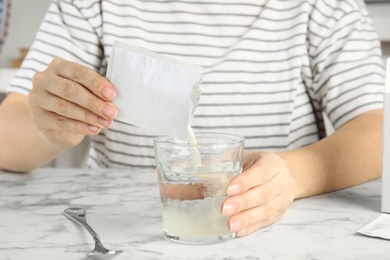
pixel 260 195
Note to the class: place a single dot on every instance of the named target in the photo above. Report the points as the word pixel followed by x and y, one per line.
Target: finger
pixel 258 225
pixel 254 197
pixel 68 109
pixel 42 113
pixel 260 216
pixel 48 121
pixel 64 139
pixel 85 76
pixel 75 93
pixel 259 173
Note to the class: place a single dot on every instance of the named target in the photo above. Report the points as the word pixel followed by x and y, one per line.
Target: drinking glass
pixel 193 178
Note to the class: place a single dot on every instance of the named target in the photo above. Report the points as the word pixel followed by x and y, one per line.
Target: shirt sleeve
pixel 70 30
pixel 346 73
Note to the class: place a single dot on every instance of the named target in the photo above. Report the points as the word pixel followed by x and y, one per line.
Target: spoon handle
pixel 78 215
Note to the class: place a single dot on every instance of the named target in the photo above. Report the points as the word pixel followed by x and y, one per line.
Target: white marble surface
pixel 123 207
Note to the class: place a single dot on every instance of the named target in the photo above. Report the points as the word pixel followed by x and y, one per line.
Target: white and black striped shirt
pixel 271 67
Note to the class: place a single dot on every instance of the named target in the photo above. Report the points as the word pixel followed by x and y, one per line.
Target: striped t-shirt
pixel 271 68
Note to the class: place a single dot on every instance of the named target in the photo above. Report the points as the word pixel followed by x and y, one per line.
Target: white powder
pixel 196 159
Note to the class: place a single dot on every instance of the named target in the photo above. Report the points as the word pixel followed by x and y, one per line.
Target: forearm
pixel 23 147
pixel 352 155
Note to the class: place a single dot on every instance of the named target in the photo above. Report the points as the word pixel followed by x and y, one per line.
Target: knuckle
pixel 47 130
pixel 61 122
pixel 62 107
pixel 78 72
pixel 69 89
pixel 88 116
pixel 92 102
pixel 95 81
pixel 55 62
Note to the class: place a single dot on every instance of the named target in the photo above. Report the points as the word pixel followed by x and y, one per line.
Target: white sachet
pixel 154 92
pixel 380 227
pixel 386 143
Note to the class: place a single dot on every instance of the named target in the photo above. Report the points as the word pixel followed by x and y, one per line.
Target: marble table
pixel 123 207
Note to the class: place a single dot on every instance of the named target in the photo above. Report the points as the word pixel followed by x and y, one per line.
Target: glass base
pixel 199 240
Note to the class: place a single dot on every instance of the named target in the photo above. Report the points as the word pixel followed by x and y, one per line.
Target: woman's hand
pixel 260 194
pixel 69 101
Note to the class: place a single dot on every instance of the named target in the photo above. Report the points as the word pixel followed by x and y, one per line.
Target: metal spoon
pixel 78 215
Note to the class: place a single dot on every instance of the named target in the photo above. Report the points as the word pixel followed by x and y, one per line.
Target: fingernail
pixel 235 225
pixel 104 122
pixel 107 92
pixel 242 232
pixel 229 209
pixel 93 128
pixel 109 111
pixel 235 188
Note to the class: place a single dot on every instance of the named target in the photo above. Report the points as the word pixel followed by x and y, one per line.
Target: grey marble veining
pixel 123 207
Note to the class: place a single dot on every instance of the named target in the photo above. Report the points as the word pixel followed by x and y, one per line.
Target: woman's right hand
pixel 69 101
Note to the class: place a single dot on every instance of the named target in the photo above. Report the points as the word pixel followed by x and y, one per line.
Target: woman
pixel 271 69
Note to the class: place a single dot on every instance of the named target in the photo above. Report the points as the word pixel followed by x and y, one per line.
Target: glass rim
pixel 169 140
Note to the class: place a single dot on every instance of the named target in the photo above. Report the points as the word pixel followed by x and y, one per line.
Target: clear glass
pixel 193 182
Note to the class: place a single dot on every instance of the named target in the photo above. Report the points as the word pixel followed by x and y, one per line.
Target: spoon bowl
pixel 79 215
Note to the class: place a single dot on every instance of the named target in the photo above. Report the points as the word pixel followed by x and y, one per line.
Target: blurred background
pixel 18 26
